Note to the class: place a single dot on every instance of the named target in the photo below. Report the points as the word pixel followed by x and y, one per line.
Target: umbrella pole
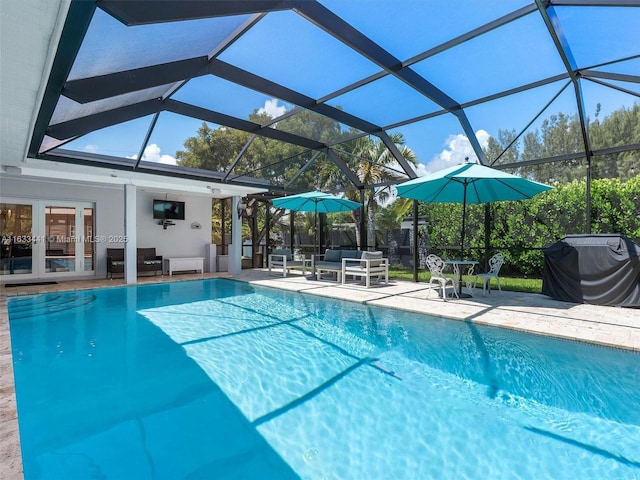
pixel 315 241
pixel 464 216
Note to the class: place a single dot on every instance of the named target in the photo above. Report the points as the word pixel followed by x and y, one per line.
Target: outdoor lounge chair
pixel 436 265
pixel 283 258
pixel 146 261
pixel 370 264
pixel 495 263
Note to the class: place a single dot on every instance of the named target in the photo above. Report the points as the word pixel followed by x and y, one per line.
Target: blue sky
pixel 284 47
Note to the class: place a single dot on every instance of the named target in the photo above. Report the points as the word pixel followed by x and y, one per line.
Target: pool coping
pixel 531 313
pixel 606 326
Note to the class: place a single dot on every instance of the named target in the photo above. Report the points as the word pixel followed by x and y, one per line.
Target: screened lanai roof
pixel 275 93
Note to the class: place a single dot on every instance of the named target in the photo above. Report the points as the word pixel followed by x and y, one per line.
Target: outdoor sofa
pixel 331 261
pixel 353 263
pixel 146 261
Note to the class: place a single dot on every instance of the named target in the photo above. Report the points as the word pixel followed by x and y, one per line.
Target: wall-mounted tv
pixel 168 210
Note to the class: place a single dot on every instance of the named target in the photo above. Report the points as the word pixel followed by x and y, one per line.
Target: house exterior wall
pixel 179 240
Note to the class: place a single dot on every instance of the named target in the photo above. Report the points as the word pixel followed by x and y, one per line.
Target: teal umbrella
pixel 469 183
pixel 316 202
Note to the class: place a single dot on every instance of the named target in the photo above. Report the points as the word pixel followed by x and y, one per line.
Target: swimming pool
pixel 219 379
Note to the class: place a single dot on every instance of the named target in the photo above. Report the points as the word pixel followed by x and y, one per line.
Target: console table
pixel 183 264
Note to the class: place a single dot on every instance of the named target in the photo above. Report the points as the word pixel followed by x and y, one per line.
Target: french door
pixel 42 239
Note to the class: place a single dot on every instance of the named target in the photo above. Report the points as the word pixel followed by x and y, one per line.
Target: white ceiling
pixel 25 54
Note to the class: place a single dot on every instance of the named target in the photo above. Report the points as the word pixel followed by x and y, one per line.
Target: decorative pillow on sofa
pixel 375 259
pixel 333 255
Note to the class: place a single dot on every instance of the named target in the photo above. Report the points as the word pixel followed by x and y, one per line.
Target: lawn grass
pixel 528 285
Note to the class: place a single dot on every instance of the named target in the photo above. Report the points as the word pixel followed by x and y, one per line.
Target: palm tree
pixel 374 164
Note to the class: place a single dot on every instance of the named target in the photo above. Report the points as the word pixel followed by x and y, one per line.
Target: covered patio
pixel 116 93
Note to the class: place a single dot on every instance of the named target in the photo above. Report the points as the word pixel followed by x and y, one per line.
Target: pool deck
pixel 534 313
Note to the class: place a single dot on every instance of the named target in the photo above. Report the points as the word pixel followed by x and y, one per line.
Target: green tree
pixel 503 149
pixel 373 163
pixel 211 149
pixel 558 135
pixel 390 216
pixel 260 157
pixel 620 128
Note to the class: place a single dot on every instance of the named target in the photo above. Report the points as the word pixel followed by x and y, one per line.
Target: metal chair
pixel 495 263
pixel 436 265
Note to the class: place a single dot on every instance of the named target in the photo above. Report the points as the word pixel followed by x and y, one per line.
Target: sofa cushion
pixel 351 253
pixel 283 251
pixel 333 255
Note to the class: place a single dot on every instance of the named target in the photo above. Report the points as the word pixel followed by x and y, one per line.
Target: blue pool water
pixel 217 379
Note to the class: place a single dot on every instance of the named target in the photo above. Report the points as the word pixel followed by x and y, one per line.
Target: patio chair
pixel 436 265
pixel 370 264
pixel 495 263
pixel 283 258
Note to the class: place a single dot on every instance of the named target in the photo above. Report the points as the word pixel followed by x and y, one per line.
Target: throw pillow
pixel 375 259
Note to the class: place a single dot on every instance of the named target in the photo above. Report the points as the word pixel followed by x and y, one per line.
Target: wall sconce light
pixel 245 207
pixel 241 208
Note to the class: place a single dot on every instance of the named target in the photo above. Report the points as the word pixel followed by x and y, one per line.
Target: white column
pixel 235 249
pixel 130 250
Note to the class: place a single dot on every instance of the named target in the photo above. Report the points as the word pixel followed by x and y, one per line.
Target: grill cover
pixel 596 269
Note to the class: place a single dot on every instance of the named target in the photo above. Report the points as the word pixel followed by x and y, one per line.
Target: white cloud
pixel 458 148
pixel 152 154
pixel 272 108
pixel 421 170
pixel 91 148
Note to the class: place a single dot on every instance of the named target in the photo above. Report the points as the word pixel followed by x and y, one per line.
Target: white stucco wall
pixel 179 240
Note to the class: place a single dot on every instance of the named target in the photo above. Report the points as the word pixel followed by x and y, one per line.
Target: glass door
pixel 59 237
pixel 68 238
pixel 89 242
pixel 16 250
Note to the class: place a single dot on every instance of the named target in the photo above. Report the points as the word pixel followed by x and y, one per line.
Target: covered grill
pixel 595 269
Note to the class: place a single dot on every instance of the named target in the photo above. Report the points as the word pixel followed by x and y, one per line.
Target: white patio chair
pixel 283 258
pixel 370 264
pixel 436 265
pixel 495 263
